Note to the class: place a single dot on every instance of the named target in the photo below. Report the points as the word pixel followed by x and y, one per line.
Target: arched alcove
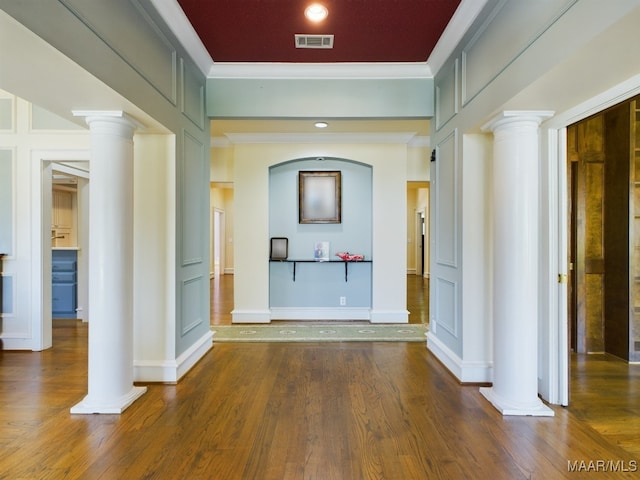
pixel 321 290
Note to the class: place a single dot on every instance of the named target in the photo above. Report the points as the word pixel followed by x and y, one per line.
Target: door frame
pixel 218 240
pixel 554 384
pixel 420 241
pixel 42 162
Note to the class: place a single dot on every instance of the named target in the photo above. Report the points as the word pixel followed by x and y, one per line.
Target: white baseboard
pixel 465 372
pixel 411 271
pixel 16 343
pixel 228 271
pixel 314 313
pixel 251 316
pixel 171 371
pixel 389 316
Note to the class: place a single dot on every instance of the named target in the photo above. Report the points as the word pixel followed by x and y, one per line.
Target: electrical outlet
pixel 343 300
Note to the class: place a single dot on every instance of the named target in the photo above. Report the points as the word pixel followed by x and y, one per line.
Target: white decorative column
pixel 111 388
pixel 515 266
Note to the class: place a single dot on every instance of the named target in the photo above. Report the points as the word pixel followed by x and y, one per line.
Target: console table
pixel 346 264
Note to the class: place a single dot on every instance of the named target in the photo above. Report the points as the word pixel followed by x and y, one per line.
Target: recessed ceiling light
pixel 321 124
pixel 316 12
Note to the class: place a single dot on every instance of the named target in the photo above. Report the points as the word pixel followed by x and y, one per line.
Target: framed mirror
pixel 319 196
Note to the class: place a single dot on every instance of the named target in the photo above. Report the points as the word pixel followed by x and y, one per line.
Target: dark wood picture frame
pixel 319 196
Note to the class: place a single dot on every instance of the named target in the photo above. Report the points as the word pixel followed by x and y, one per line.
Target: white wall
pixel 21 329
pixel 251 237
pixel 418 164
pixel 154 254
pixel 222 196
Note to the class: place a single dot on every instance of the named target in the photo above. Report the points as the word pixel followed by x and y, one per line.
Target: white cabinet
pixel 63 218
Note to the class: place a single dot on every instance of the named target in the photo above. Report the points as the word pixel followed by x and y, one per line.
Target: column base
pixel 85 407
pixel 534 409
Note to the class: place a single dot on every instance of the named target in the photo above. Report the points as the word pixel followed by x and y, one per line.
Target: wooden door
pixel 616 229
pixel 598 151
pixel 585 144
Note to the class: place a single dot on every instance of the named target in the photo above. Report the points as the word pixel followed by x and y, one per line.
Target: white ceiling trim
pixel 460 22
pixel 175 18
pixel 407 138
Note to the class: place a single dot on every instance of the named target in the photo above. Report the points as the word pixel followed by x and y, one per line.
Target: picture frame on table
pixel 279 248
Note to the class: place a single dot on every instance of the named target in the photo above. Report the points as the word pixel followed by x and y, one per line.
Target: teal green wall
pixel 322 98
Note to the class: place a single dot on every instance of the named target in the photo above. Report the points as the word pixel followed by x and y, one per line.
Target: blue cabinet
pixel 64 283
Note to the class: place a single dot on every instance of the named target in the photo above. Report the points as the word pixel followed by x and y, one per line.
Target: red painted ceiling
pixel 364 30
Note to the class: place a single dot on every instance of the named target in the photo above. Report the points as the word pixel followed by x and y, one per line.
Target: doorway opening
pixel 221 255
pixel 418 251
pixel 603 155
pixel 218 235
pixel 418 228
pixel 59 168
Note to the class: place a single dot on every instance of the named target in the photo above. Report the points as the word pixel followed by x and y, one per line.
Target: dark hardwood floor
pixel 308 411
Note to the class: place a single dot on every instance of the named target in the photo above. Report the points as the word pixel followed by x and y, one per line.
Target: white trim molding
pixel 389 316
pixel 465 372
pixel 176 19
pixel 171 371
pixel 251 316
pixel 464 16
pixel 313 313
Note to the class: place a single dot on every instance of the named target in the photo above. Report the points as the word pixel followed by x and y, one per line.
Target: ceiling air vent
pixel 314 41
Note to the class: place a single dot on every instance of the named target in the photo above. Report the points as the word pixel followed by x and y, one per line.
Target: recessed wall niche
pixel 321 286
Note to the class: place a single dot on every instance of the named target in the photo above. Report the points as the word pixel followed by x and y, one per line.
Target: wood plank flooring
pixel 307 411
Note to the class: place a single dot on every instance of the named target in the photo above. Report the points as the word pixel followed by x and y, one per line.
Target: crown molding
pixel 460 22
pixel 175 18
pixel 177 21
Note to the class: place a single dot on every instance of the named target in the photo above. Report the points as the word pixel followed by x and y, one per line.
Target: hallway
pixel 298 411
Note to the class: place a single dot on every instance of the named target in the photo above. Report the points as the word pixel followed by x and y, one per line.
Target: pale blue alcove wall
pixel 321 285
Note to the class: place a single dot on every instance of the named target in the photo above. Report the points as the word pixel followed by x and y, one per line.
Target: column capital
pixel 109 115
pixel 517 116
